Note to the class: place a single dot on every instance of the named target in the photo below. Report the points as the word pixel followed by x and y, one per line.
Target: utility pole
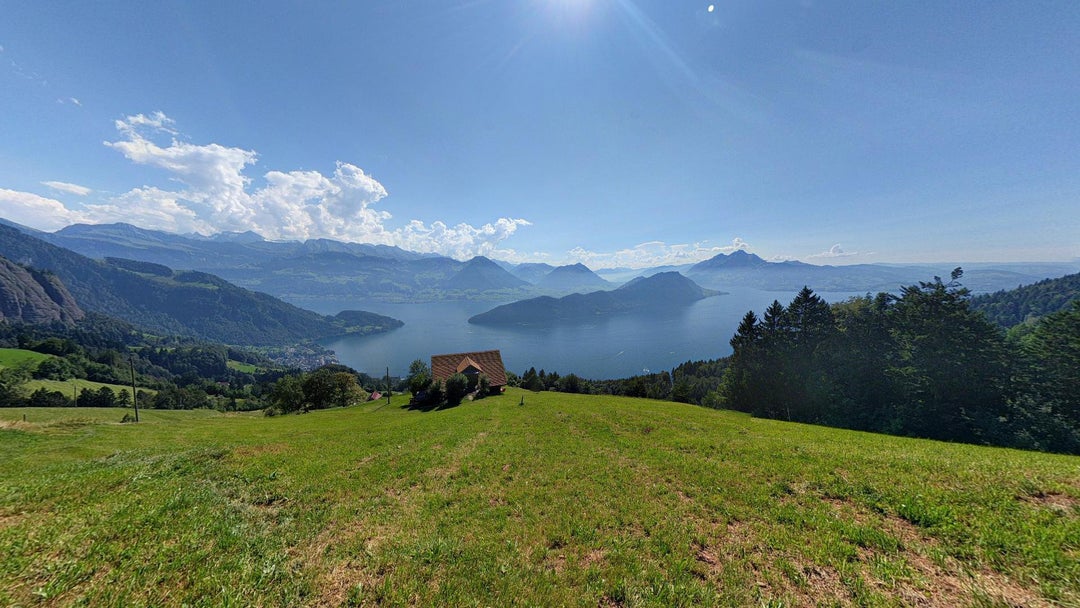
pixel 387 385
pixel 134 394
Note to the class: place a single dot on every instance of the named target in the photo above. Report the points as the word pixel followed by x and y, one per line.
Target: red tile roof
pixel 466 363
pixel 489 362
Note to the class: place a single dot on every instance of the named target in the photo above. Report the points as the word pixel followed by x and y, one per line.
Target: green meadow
pixel 76 386
pixel 13 357
pixel 566 500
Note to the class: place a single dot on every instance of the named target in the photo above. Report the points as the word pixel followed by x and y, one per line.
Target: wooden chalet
pixel 487 362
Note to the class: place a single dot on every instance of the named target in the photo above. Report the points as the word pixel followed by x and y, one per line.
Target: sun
pixel 571 12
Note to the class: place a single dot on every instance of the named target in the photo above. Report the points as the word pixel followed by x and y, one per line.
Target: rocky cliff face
pixel 33 296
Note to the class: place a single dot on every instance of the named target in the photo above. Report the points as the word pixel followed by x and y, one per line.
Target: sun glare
pixel 570 12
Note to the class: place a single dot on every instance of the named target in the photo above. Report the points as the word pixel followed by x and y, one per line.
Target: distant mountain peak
pixel 481 274
pixel 673 283
pixel 735 259
pixel 573 277
pixel 481 261
pixel 531 271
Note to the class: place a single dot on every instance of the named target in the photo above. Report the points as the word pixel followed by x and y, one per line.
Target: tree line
pixel 689 382
pixel 922 363
pixel 170 372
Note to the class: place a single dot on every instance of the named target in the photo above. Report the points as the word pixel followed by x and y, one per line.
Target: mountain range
pixel 659 292
pixel 158 299
pixel 331 271
pixel 743 269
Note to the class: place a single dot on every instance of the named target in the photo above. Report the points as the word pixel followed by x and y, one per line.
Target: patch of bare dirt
pixel 820 585
pixel 8 520
pixel 249 451
pixel 344 579
pixel 1055 501
pixel 593 557
pixel 933 584
pixel 707 555
pixel 555 562
pixel 364 461
pixel 337 578
pixel 954 585
pixel 738 533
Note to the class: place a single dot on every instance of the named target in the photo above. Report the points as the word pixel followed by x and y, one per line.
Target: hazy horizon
pixel 1074 263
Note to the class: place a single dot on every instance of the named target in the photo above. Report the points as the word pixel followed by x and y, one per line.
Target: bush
pixel 419 383
pixel 483 386
pixel 436 393
pixel 457 386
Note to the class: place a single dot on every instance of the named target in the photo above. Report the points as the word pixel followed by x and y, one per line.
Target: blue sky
pixel 613 132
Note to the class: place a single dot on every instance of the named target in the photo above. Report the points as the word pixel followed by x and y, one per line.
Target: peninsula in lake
pixel 658 292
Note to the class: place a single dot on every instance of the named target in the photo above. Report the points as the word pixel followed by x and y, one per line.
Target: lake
pixel 616 347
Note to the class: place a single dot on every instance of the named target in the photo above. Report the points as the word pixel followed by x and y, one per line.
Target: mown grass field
pixel 13 357
pixel 239 366
pixel 65 386
pixel 567 500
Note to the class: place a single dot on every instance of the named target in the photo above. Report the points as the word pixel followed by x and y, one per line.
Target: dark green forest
pixel 924 362
pixel 1028 303
pixel 169 372
pixel 182 302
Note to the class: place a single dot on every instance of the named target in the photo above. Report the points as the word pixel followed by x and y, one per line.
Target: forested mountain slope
pixel 658 292
pixel 1014 306
pixel 183 302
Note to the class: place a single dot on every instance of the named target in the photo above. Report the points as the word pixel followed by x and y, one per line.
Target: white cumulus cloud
pixel 836 251
pixel 37 211
pixel 213 194
pixel 461 241
pixel 654 253
pixel 149 207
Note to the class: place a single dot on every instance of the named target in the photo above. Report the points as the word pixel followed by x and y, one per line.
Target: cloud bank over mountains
pixel 655 253
pixel 214 194
pixel 836 251
pixel 209 191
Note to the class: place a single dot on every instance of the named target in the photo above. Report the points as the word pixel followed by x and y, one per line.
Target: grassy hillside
pixel 65 386
pixel 183 303
pixel 567 500
pixel 14 357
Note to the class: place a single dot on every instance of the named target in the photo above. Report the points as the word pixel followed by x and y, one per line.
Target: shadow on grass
pixel 430 407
